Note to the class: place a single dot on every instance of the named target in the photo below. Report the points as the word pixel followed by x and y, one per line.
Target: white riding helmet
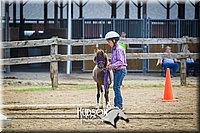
pixel 112 35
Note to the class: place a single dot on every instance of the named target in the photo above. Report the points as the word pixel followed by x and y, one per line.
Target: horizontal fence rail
pixel 80 57
pixel 81 42
pixel 55 57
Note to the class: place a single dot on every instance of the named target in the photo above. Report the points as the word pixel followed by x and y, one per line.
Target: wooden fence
pixel 55 57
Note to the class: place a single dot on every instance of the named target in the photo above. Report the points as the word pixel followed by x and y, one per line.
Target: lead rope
pixel 106 76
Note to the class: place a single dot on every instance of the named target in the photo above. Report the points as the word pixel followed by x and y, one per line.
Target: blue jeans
pixel 173 66
pixel 194 66
pixel 118 78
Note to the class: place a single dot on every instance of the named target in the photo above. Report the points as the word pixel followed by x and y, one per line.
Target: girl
pixel 118 65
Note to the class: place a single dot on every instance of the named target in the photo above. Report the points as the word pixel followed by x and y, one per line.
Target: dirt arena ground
pixel 142 93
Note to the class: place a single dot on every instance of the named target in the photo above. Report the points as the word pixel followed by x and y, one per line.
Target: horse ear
pixel 95 50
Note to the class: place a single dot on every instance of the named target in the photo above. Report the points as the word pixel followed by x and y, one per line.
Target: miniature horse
pixel 102 76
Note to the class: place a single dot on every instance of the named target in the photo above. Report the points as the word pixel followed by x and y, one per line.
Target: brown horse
pixel 99 72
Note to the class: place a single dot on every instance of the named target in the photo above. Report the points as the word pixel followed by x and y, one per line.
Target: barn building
pixel 41 19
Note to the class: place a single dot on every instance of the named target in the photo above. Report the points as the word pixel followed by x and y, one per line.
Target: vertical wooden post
pixel 7 34
pixel 168 9
pixel 61 14
pixel 80 9
pixel 54 67
pixel 197 9
pixel 114 9
pixel 183 64
pixel 72 9
pixel 14 13
pixel 126 9
pixel 45 14
pixel 56 14
pixel 144 9
pixel 181 10
pixel 21 31
pixel 139 9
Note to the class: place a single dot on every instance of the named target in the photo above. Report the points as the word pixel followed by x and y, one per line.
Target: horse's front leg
pixel 98 95
pixel 101 89
pixel 106 95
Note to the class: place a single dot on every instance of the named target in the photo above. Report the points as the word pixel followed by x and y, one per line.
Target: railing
pixel 55 57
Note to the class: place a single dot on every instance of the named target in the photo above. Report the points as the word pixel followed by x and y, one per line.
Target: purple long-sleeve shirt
pixel 118 59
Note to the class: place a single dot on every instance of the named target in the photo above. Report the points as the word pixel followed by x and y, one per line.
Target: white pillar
pixel 69 36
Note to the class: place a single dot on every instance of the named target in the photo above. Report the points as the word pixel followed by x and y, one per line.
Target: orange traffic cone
pixel 168 94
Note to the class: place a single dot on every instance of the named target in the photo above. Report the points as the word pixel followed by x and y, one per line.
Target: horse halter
pixel 99 62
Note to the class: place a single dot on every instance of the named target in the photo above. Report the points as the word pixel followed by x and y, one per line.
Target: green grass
pixel 176 85
pixel 157 85
pixel 80 87
pixel 87 87
pixel 152 85
pixel 33 89
pixel 23 84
